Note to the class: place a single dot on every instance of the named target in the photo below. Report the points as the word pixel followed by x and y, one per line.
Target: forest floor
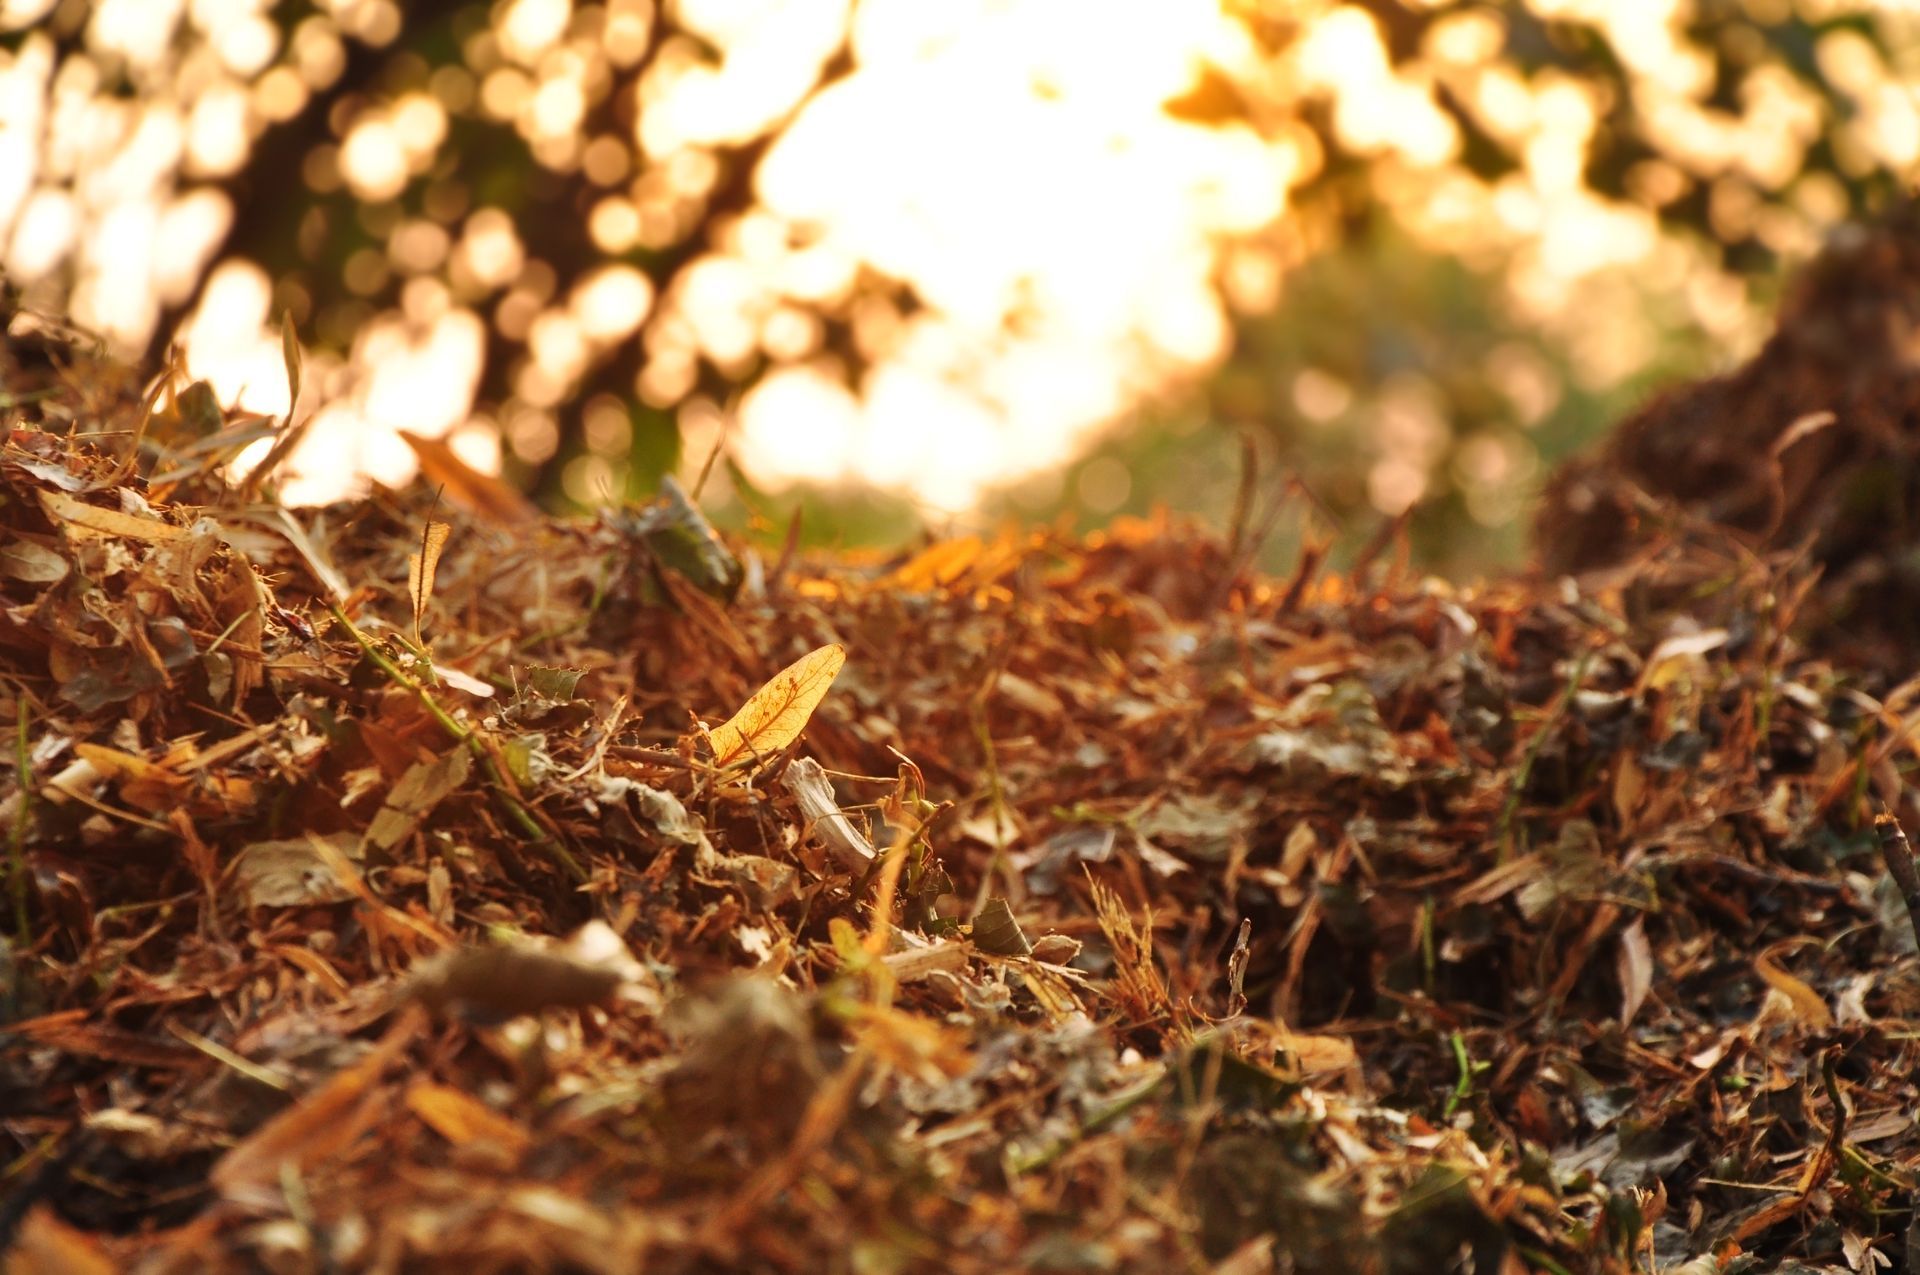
pixel 424 884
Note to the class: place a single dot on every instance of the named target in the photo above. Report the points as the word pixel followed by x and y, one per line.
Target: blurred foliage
pixel 1447 240
pixel 1392 362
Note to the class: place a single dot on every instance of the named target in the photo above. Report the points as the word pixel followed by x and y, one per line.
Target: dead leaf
pixel 997 933
pixel 1317 1054
pixel 420 568
pixel 325 1123
pixel 1675 656
pixel 461 1118
pixel 31 561
pixel 243 597
pixel 292 873
pixel 422 788
pixel 1635 967
pixel 505 980
pixel 46 1245
pixel 92 520
pixel 778 711
pixel 939 564
pixel 1803 1005
pixel 479 493
pixel 1056 949
pixel 460 681
pixel 922 962
pixel 1029 695
pixel 1629 787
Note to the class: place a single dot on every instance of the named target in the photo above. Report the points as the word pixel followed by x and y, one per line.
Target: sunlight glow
pixel 977 233
pixel 967 155
pixel 229 342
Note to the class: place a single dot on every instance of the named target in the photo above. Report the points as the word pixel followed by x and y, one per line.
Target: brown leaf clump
pixel 1811 447
pixel 383 899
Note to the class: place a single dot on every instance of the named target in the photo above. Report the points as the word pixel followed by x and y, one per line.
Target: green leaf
pixel 554 683
pixel 199 410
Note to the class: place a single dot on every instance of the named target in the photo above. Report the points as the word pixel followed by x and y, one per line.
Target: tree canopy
pixel 936 247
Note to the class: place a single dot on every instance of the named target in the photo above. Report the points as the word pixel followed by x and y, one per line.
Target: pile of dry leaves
pixel 1812 447
pixel 420 885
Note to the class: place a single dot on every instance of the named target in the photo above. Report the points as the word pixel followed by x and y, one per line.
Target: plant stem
pixel 471 740
pixel 1524 771
pixel 17 840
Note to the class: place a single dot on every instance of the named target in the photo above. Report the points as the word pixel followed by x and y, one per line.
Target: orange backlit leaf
pixel 778 711
pixel 47 1245
pixel 91 520
pixel 462 1119
pixel 420 569
pixel 939 564
pixel 1800 1003
pixel 1314 1055
pixel 489 497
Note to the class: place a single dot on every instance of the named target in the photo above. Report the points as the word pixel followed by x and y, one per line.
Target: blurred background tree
pixel 941 261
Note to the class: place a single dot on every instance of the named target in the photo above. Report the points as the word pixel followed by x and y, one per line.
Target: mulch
pixel 423 884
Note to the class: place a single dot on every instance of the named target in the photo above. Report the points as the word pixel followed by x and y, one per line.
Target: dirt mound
pixel 1813 445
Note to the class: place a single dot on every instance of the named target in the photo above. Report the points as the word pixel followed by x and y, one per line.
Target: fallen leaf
pixel 996 932
pixel 46 1245
pixel 292 873
pixel 463 682
pixel 1318 1054
pixel 1804 1005
pixel 1629 787
pixel 32 562
pixel 1056 949
pixel 922 962
pixel 555 684
pixel 461 1118
pixel 504 980
pixel 778 711
pixel 491 498
pixel 420 569
pixel 78 515
pixel 1635 967
pixel 242 596
pixel 418 792
pixel 938 565
pixel 1674 657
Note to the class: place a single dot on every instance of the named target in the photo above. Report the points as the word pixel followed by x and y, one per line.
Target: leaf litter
pixel 1040 903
